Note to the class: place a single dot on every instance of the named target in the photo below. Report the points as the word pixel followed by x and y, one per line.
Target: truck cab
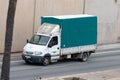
pixel 44 46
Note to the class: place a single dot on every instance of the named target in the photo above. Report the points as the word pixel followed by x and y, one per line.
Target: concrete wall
pixel 57 7
pixel 118 21
pixel 106 10
pixel 23 26
pixel 27 22
pixel 3 13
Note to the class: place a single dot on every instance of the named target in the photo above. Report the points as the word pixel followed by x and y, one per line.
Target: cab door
pixel 54 48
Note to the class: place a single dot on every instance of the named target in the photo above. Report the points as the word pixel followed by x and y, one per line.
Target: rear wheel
pixel 46 61
pixel 85 57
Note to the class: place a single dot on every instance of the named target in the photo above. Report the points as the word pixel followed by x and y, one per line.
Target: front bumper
pixel 32 58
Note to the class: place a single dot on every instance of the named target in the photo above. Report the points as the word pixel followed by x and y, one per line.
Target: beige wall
pixel 57 7
pixel 3 13
pixel 107 11
pixel 118 21
pixel 23 24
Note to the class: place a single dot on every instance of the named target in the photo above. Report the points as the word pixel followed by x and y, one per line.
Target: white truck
pixel 62 37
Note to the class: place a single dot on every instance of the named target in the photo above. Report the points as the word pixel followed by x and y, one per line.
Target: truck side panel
pixel 78 49
pixel 79 32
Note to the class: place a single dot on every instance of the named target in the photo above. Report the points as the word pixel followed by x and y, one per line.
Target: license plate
pixel 28 57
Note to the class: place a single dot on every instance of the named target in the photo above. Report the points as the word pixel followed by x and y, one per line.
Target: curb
pixel 102 50
pixel 99 75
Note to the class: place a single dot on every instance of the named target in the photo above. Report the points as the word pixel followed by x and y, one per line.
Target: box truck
pixel 62 37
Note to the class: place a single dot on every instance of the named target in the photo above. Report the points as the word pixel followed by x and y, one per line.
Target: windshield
pixel 39 40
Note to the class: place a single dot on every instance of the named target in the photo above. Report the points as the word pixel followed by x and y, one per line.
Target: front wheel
pixel 27 62
pixel 85 57
pixel 46 61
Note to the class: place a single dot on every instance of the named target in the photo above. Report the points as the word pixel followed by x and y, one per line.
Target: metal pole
pixel 34 16
pixel 84 3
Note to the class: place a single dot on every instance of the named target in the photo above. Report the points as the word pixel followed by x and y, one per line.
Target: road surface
pixel 98 61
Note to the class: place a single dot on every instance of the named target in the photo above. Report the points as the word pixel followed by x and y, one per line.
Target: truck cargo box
pixel 76 30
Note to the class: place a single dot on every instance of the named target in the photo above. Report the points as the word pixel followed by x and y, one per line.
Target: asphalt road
pixel 99 61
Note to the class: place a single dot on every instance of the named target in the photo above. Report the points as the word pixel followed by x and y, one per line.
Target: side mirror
pixel 27 41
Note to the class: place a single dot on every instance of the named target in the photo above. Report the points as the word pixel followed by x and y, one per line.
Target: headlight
pixel 38 53
pixel 27 52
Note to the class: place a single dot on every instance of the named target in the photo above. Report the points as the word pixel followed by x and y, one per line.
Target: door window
pixel 53 41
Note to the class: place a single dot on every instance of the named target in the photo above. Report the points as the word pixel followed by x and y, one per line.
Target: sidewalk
pixel 14 56
pixel 106 47
pixel 99 75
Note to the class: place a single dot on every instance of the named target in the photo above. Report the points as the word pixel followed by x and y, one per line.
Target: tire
pixel 85 57
pixel 46 61
pixel 27 62
pixel 90 54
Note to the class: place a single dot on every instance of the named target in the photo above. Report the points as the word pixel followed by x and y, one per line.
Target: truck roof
pixel 70 16
pixel 48 29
